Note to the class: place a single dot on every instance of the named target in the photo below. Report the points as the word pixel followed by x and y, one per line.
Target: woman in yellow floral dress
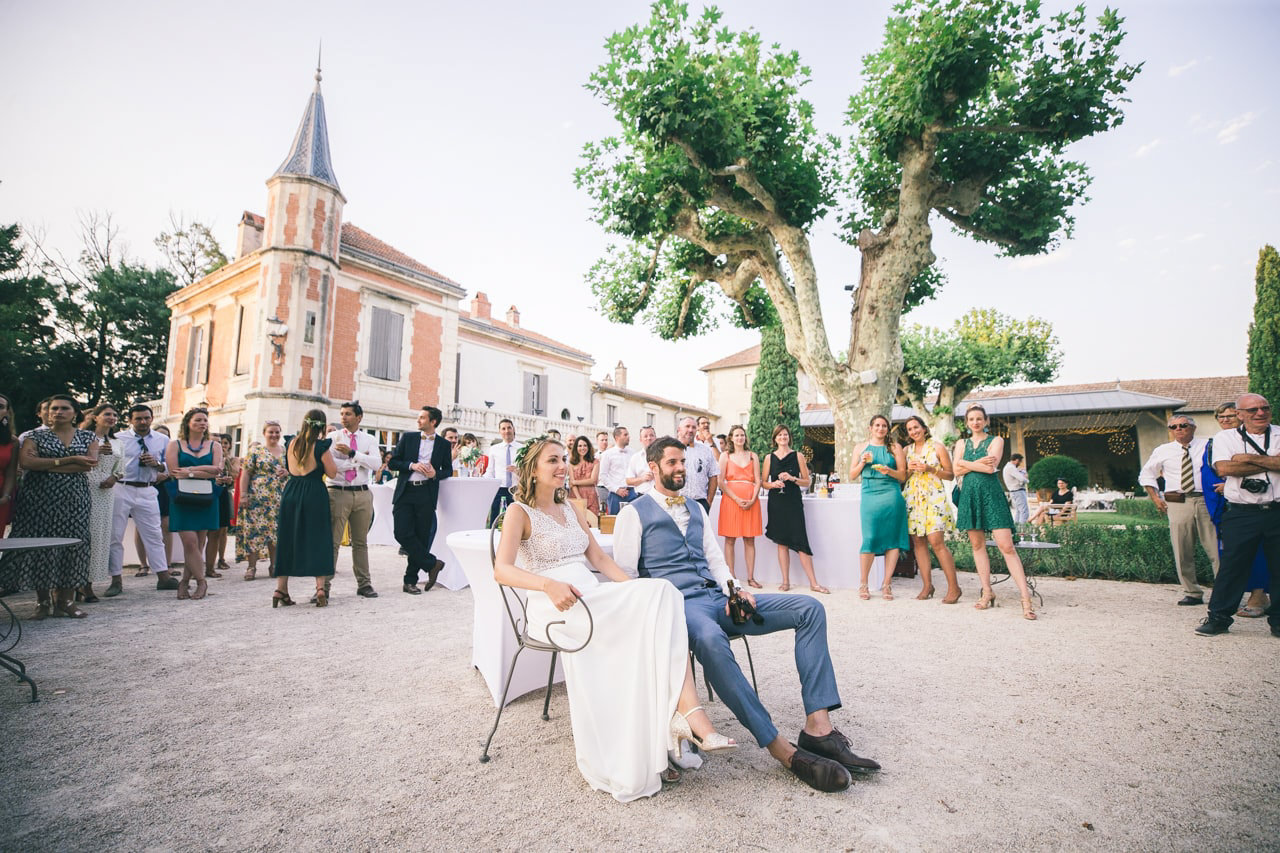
pixel 262 478
pixel 928 510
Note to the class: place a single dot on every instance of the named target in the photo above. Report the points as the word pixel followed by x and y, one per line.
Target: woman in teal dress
pixel 304 543
pixel 196 455
pixel 982 507
pixel 883 468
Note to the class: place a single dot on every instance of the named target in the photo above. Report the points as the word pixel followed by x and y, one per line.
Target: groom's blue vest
pixel 664 553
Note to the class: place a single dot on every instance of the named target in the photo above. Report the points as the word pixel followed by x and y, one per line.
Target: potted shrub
pixel 1045 474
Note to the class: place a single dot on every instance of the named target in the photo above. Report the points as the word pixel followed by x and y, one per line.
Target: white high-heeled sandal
pixel 714 742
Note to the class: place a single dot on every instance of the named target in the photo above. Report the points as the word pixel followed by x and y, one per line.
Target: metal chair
pixel 711 696
pixel 520 628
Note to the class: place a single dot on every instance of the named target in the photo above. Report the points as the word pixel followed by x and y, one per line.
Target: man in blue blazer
pixel 422 459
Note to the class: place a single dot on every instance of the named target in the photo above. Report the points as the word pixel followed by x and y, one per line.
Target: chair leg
pixel 502 703
pixel 752 664
pixel 551 679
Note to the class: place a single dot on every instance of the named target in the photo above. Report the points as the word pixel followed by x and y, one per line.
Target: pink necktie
pixel 350 475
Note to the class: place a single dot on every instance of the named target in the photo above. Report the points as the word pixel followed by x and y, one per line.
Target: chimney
pixel 513 316
pixel 248 235
pixel 480 307
pixel 620 375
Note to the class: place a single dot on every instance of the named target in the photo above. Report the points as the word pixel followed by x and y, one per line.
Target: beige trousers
pixel 356 509
pixel 1187 522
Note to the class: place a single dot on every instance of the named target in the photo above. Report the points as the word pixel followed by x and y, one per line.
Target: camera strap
pixel 1264 450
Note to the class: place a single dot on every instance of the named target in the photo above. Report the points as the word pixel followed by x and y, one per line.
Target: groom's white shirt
pixel 627 530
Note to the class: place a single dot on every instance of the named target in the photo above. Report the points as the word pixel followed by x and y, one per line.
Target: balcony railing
pixel 484 422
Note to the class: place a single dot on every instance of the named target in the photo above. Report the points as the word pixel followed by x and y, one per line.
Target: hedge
pixel 1137 553
pixel 1141 507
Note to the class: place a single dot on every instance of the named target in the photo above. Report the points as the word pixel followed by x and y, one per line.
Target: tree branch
pixel 994 128
pixel 746 179
pixel 982 233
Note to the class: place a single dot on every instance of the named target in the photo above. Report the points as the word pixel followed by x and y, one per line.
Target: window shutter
pixel 544 396
pixel 385 334
pixel 395 344
pixel 206 354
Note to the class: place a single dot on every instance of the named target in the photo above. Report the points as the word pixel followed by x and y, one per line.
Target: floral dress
pixel 260 505
pixel 928 510
pixel 53 504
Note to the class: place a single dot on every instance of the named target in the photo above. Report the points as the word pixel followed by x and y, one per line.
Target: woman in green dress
pixel 304 543
pixel 982 507
pixel 883 468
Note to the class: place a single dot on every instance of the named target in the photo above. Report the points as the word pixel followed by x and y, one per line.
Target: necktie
pixel 1188 475
pixel 350 475
pixel 678 500
pixel 506 475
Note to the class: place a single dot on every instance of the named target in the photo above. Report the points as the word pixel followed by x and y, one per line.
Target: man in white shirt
pixel 702 471
pixel 1015 480
pixel 613 470
pixel 136 497
pixel 356 456
pixel 1178 462
pixel 663 535
pixel 639 477
pixel 502 467
pixel 1249 459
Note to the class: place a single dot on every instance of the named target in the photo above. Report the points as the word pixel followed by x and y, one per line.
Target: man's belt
pixel 350 488
pixel 137 484
pixel 420 482
pixel 1179 497
pixel 1011 491
pixel 1266 506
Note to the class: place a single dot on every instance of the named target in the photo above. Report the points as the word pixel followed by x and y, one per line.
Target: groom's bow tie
pixel 678 500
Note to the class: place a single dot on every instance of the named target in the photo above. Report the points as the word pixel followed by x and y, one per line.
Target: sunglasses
pixel 1265 410
pixel 1181 426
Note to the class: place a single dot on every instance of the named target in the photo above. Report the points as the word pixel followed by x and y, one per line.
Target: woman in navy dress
pixel 304 541
pixel 196 455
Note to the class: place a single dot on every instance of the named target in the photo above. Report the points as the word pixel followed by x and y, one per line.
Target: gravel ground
pixel 222 724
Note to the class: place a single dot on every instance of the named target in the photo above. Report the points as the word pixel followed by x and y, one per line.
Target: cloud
pixel 1175 70
pixel 1191 238
pixel 1199 123
pixel 1231 131
pixel 1144 150
pixel 1263 166
pixel 1037 261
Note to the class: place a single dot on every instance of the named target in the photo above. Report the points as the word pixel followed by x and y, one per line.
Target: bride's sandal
pixel 714 742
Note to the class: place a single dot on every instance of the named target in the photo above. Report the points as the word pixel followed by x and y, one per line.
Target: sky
pixel 455 129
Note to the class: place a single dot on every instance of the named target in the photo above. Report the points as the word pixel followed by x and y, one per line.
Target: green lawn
pixel 1110 518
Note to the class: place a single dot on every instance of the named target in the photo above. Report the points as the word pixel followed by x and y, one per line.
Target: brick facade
pixel 424 362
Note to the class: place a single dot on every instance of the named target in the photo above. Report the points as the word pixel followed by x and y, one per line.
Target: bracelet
pixel 57 463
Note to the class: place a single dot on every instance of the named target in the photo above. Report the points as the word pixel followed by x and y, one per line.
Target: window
pixel 198 346
pixel 244 342
pixel 535 393
pixel 309 330
pixel 611 415
pixel 385 343
pixel 237 439
pixel 649 418
pixel 746 379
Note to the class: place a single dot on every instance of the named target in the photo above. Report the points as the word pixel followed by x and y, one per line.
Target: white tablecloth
pixel 835 535
pixel 492 641
pixel 131 550
pixel 464 505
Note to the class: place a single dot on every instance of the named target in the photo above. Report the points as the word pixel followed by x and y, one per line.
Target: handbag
pixel 194 493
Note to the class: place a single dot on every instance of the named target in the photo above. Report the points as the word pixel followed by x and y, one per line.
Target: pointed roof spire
pixel 309 155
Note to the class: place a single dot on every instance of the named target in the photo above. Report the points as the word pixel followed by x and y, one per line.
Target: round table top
pixel 34 543
pixel 991 543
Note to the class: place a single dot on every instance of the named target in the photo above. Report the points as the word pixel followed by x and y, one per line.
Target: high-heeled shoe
pixel 1027 611
pixel 887 592
pixel 714 742
pixel 251 573
pixel 950 600
pixel 44 609
pixel 322 598
pixel 864 593
pixel 925 594
pixel 280 598
pixel 986 600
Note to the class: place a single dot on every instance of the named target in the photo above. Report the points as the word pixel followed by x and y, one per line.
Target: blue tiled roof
pixel 309 155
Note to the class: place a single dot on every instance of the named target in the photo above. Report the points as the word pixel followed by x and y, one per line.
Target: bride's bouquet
pixel 469 458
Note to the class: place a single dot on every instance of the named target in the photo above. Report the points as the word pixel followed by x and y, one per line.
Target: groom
pixel 661 535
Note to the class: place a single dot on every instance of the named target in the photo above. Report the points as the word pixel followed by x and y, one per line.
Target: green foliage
pixel 984 348
pixel 775 396
pixel 31 359
pixel 191 251
pixel 1140 507
pixel 1000 93
pixel 1046 473
pixel 1135 553
pixel 1264 332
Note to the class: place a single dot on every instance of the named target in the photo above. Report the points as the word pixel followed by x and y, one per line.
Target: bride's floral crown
pixel 524 448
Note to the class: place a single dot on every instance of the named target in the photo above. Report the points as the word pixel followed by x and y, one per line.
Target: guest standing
pixel 54 502
pixel 928 510
pixel 355 456
pixel 785 476
pixel 143 452
pixel 982 507
pixel 1015 480
pixel 8 463
pixel 384 473
pixel 102 477
pixel 262 478
pixel 224 488
pixel 1228 419
pixel 740 502
pixel 1178 461
pixel 584 473
pixel 882 464
pixel 193 513
pixel 500 465
pixel 423 459
pixel 701 471
pixel 639 475
pixel 304 546
pixel 613 471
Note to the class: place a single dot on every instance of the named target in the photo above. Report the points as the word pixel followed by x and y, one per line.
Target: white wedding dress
pixel 624 685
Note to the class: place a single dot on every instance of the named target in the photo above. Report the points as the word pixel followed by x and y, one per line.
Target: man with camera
pixel 1248 457
pixel 1178 462
pixel 663 535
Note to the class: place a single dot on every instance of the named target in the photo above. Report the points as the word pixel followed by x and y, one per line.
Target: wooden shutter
pixel 385 344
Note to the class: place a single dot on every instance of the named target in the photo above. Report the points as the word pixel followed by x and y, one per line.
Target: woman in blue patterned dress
pixel 982 507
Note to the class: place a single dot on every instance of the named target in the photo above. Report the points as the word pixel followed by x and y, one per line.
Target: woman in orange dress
pixel 584 473
pixel 740 502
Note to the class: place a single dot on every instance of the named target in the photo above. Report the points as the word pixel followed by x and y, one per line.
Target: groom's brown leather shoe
pixel 820 773
pixel 836 747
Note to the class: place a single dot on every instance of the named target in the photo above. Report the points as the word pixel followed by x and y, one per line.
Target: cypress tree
pixel 1264 331
pixel 775 395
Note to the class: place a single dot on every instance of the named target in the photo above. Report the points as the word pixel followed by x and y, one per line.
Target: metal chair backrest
pixel 520 624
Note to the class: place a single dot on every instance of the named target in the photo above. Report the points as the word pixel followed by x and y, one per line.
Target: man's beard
pixel 673 482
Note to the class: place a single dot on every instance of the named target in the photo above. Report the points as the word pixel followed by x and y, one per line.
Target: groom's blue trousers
pixel 709 630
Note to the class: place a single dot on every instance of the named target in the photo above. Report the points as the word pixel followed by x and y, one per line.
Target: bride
pixel 631 691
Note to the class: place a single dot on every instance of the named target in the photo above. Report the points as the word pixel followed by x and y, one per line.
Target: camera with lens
pixel 1255 487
